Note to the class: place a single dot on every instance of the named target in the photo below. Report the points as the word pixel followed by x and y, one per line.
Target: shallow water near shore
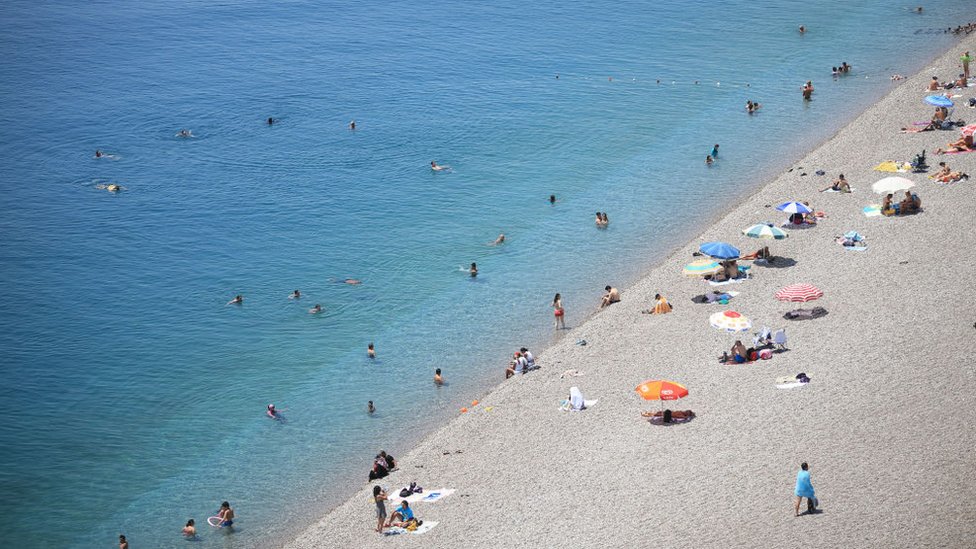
pixel 137 395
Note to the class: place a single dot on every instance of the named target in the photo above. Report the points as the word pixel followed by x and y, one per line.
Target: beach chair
pixel 919 164
pixel 779 339
pixel 763 339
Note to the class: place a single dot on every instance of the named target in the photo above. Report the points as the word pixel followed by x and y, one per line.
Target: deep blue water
pixel 134 396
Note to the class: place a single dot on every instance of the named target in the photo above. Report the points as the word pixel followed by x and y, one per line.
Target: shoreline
pixel 561 354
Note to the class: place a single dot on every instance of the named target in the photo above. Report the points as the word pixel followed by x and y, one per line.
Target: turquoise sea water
pixel 134 396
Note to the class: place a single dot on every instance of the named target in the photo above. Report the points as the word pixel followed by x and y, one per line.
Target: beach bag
pixel 766 354
pixel 753 356
pixel 405 493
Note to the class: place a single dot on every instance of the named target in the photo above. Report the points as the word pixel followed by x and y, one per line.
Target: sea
pixel 134 396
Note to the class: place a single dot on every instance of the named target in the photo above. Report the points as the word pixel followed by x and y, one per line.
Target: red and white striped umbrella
pixel 799 293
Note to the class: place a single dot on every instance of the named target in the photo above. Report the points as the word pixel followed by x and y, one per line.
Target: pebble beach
pixel 886 423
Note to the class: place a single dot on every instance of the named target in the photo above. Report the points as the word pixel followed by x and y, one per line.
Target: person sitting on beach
pixel 438 378
pixel 529 360
pixel 190 530
pixel 907 204
pixel 934 84
pixel 808 90
pixel 962 81
pixel 238 300
pixel 379 470
pixel 661 305
pixel 811 217
pixel 739 352
pixel 401 516
pixel 731 269
pixel 388 459
pixel 886 206
pixel 612 296
pixel 963 144
pixel 840 185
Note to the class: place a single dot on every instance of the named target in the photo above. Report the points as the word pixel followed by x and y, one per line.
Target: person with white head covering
pixel 576 401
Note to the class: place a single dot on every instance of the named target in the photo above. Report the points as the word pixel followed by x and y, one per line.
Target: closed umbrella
pixel 892 185
pixel 730 321
pixel 799 293
pixel 938 101
pixel 701 267
pixel 720 250
pixel 765 230
pixel 794 207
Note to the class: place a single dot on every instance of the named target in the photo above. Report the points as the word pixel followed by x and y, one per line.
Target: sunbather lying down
pixel 946 175
pixel 761 253
pixel 667 416
pixel 963 144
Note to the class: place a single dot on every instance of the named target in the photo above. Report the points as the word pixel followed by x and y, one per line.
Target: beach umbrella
pixel 660 389
pixel 938 101
pixel 799 293
pixel 701 267
pixel 765 230
pixel 968 130
pixel 892 184
pixel 794 207
pixel 720 250
pixel 730 321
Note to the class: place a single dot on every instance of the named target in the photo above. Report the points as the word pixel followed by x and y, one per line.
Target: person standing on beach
pixel 965 58
pixel 804 489
pixel 379 497
pixel 558 312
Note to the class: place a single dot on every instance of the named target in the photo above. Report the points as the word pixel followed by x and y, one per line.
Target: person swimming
pixel 111 187
pixel 352 124
pixel 315 310
pixel 499 240
pixel 352 281
pixel 238 300
pixel 184 133
pixel 270 121
pixel 438 167
pixel 295 295
pixel 473 270
pixel 370 408
pixel 552 199
pixel 272 412
pixel 438 378
pixel 98 153
pixel 190 530
pixel 226 515
pixel 709 160
pixel 370 351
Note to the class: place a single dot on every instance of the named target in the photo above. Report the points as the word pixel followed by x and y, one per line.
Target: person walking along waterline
pixel 558 312
pixel 804 489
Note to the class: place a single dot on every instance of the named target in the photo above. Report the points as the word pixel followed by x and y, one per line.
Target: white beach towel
pixel 792 385
pixel 872 211
pixel 733 281
pixel 429 496
pixel 422 529
pixel 852 188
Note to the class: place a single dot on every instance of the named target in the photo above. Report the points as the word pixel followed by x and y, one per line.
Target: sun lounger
pixel 779 339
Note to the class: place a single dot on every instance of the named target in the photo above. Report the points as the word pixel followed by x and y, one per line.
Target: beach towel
pixel 429 496
pixel 891 166
pixel 422 529
pixel 960 152
pixel 733 281
pixel 842 192
pixel 804 488
pixel 791 385
pixel 874 210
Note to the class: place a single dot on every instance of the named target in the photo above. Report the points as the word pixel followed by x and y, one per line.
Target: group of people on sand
pixel 383 463
pixel 522 362
pixel 909 205
pixel 729 271
pixel 402 516
pixel 961 82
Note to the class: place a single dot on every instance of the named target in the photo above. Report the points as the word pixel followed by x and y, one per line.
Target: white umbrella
pixel 892 185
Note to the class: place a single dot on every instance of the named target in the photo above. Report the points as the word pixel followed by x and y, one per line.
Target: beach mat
pixel 733 281
pixel 841 192
pixel 422 529
pixel 874 210
pixel 429 496
pixel 790 385
pixel 959 152
pixel 895 167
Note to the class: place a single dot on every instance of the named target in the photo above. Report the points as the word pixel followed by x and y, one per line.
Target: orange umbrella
pixel 661 390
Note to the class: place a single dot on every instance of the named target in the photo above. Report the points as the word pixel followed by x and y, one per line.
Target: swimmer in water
pixel 270 121
pixel 238 300
pixel 437 167
pixel 98 153
pixel 352 281
pixel 552 199
pixel 370 408
pixel 708 160
pixel 605 219
pixel 190 530
pixel 370 351
pixel 802 29
pixel 111 187
pixel 438 378
pixel 226 515
pixel 315 310
pixel 352 124
pixel 272 413
pixel 714 153
pixel 123 544
pixel 499 240
pixel 185 133
pixel 295 295
pixel 473 270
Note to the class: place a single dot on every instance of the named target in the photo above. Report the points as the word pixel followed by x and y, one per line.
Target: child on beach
pixel 379 497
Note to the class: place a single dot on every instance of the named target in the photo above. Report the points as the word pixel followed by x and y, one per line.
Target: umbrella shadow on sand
pixel 778 262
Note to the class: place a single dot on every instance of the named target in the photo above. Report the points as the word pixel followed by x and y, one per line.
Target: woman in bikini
pixel 558 312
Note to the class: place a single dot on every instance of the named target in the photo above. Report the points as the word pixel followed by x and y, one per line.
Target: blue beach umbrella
pixel 720 250
pixel 793 208
pixel 765 230
pixel 938 101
